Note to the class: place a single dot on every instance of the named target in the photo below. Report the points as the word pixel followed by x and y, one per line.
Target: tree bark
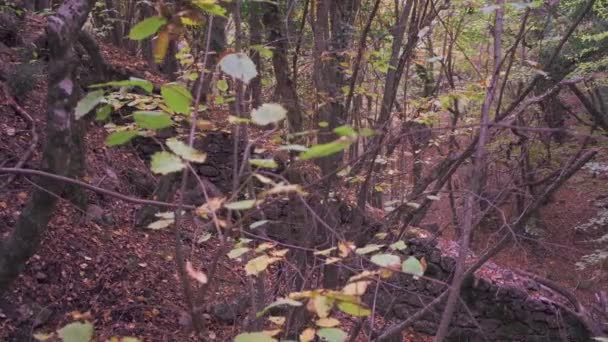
pixel 62 30
pixel 255 38
pixel 286 88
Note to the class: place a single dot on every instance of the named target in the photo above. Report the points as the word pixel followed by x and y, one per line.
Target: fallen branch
pixel 17 171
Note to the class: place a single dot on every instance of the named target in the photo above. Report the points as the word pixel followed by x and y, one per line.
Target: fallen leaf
pixel 196 274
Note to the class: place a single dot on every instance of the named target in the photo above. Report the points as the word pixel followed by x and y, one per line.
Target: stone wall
pixel 500 305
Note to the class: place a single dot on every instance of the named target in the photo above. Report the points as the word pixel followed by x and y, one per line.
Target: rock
pixel 228 313
pixel 94 213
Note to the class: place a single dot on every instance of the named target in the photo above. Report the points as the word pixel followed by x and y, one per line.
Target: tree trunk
pixel 62 30
pixel 285 86
pixel 116 25
pixel 333 34
pixel 216 47
pixel 255 38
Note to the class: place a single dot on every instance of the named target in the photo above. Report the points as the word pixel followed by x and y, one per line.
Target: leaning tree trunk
pixel 63 30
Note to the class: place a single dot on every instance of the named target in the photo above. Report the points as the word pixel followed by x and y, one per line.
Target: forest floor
pixel 97 265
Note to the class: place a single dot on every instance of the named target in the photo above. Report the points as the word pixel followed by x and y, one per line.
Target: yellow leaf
pixel 43 336
pixel 385 273
pixel 78 316
pixel 363 275
pixel 196 274
pixel 301 295
pixel 328 322
pixel 324 252
pixel 308 335
pixel 161 45
pixel 345 247
pixel 329 261
pixel 278 320
pixel 205 125
pixel 259 264
pixel 279 253
pixel 321 305
pixel 264 246
pixel 211 206
pixel 357 288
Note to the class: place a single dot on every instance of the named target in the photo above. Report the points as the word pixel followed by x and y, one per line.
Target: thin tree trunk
pixel 477 178
pixel 255 38
pixel 115 23
pixel 285 86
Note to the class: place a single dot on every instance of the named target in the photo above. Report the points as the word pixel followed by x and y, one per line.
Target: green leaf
pixel 268 113
pixel 222 85
pixel 398 246
pixel 323 150
pixel 177 97
pixel 84 106
pixel 165 163
pixel 323 124
pixel 262 50
pixel 298 148
pixel 257 224
pixel 210 8
pixel 240 205
pixel 265 163
pixel 152 119
pixel 76 332
pixel 412 266
pixel 132 82
pixel 367 132
pixel 332 335
pixel 120 138
pixel 254 337
pixel 279 302
pixel 103 113
pixel 238 252
pixel 345 131
pixel 368 249
pixel 185 151
pixel 146 28
pixel 386 260
pixel 239 66
pixel 354 309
